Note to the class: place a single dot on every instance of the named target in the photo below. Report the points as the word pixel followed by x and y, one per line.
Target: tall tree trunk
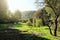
pixel 56 24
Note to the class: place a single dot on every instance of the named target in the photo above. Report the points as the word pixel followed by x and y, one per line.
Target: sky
pixel 22 5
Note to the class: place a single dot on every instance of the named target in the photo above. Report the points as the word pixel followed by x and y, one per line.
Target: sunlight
pixel 22 5
pixel 12 4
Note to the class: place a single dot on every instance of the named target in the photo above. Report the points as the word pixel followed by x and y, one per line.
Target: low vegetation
pixel 42 31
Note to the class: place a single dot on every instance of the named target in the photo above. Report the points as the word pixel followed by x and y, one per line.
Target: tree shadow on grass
pixel 14 34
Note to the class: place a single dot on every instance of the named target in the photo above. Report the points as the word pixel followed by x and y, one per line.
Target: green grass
pixel 42 31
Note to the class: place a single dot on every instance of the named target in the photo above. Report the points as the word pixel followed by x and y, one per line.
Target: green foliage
pixel 17 15
pixel 29 23
pixel 2 26
pixel 50 12
pixel 38 22
pixel 3 11
pixel 14 17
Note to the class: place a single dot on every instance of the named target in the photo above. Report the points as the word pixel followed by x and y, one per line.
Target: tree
pixel 54 5
pixel 45 15
pixel 3 11
pixel 10 16
pixel 49 18
pixel 27 14
pixel 37 16
pixel 17 15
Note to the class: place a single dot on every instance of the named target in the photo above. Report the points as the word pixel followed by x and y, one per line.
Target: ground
pixel 24 32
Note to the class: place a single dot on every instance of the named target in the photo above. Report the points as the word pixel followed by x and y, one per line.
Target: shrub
pixel 2 26
pixel 38 22
pixel 29 23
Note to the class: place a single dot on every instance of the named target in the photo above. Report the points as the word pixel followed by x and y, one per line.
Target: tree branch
pixel 53 8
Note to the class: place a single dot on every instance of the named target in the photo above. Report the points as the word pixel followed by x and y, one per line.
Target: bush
pixel 2 26
pixel 29 23
pixel 38 22
pixel 34 24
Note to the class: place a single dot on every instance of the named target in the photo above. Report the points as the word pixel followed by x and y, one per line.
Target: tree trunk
pixel 34 22
pixel 43 22
pixel 55 31
pixel 50 31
